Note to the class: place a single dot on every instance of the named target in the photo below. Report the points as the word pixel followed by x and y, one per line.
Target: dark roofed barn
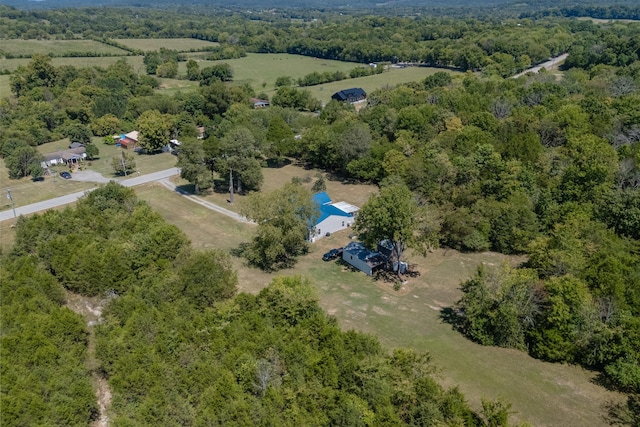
pixel 350 95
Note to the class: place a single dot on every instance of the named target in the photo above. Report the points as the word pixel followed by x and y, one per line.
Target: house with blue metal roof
pixel 333 216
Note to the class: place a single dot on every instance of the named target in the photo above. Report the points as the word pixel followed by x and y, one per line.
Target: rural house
pixel 365 260
pixel 129 140
pixel 69 157
pixel 259 103
pixel 350 95
pixel 333 216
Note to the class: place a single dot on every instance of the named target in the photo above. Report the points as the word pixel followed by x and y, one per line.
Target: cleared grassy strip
pixel 179 44
pixel 58 47
pixel 392 77
pixel 258 68
pixel 541 393
pixel 100 61
pixel 5 88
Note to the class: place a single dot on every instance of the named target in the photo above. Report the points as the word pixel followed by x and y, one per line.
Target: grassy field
pixel 607 21
pixel 393 77
pixel 101 61
pixel 274 178
pixel 179 44
pixel 58 47
pixel 5 89
pixel 258 68
pixel 542 394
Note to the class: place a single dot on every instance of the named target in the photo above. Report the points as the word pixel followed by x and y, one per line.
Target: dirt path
pixel 91 310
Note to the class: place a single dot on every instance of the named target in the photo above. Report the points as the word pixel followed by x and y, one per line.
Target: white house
pixel 333 216
pixel 69 157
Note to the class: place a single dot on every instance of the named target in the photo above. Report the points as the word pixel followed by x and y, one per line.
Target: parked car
pixel 332 254
pixel 65 175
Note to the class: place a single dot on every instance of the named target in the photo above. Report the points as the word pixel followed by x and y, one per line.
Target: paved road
pixel 70 198
pixel 550 63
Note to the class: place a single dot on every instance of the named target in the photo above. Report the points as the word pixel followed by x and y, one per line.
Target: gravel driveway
pixel 89 176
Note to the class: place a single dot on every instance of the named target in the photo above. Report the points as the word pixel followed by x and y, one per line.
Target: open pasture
pixel 57 47
pixel 179 44
pixel 542 394
pixel 257 69
pixel 99 61
pixel 392 77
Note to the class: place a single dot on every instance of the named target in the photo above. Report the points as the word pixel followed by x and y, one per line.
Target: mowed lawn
pixel 542 394
pixel 58 47
pixel 25 191
pixel 179 44
pixel 101 61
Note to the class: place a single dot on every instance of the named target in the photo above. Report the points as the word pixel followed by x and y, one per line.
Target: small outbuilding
pixel 129 140
pixel 362 258
pixel 352 95
pixel 259 103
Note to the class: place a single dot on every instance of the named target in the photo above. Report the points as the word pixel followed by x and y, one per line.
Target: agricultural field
pixel 542 394
pixel 100 61
pixel 180 44
pixel 57 47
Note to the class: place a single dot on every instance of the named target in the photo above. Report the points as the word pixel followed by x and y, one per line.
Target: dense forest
pixel 539 166
pixel 177 344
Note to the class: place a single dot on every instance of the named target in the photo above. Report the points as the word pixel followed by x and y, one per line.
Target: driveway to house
pixel 70 198
pixel 171 186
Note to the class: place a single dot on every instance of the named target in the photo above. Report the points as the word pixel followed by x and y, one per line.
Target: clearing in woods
pixel 179 44
pixel 541 393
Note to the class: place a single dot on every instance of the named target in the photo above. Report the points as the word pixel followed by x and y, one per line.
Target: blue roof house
pixel 333 217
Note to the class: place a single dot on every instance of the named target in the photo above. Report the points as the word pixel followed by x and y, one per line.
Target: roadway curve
pixel 70 198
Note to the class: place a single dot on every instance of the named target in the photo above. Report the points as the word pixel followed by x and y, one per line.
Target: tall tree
pixel 392 215
pixel 283 219
pixel 193 166
pixel 22 160
pixel 153 128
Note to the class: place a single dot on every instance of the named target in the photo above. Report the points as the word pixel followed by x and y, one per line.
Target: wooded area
pixel 540 166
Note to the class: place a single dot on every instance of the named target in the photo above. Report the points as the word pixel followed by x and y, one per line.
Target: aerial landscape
pixel 421 213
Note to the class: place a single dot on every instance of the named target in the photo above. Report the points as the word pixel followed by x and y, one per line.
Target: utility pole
pixel 124 168
pixel 13 206
pixel 230 185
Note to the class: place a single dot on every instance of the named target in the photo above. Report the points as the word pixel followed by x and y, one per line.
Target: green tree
pixel 206 277
pixel 106 125
pixel 193 166
pixel 283 217
pixel 280 135
pixel 193 70
pixel 153 128
pixel 92 151
pixel 392 215
pixel 22 160
pixel 124 164
pixel 77 132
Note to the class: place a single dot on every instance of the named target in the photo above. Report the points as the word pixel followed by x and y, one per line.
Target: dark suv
pixel 65 175
pixel 332 254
